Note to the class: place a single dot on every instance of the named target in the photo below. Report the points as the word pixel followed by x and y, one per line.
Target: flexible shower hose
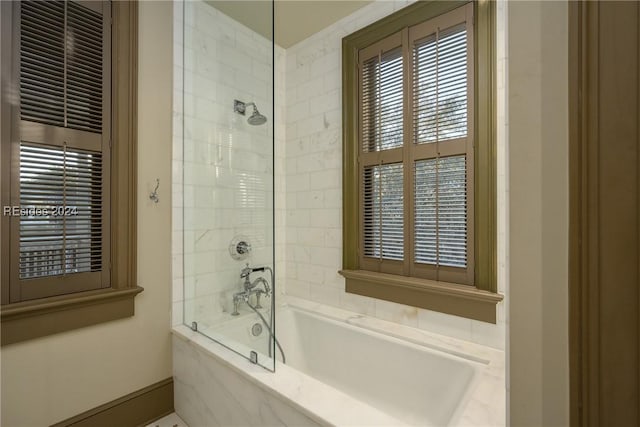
pixel 269 329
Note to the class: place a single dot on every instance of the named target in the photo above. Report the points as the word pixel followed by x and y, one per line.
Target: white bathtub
pixel 342 369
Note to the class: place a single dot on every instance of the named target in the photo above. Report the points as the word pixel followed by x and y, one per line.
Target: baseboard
pixel 135 409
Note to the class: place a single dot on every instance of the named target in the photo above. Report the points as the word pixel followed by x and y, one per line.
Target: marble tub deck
pixel 215 386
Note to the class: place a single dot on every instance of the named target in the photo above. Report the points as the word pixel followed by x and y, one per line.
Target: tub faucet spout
pixel 237 299
pixel 250 287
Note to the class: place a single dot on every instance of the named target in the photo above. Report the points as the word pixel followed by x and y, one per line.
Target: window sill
pixel 459 300
pixel 33 319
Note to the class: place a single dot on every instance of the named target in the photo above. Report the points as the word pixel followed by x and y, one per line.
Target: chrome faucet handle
pixel 245 272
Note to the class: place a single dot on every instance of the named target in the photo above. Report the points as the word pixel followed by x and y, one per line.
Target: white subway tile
pixel 325 102
pixel 333 198
pixel 492 335
pixel 298 182
pixel 397 313
pixel 325 218
pixel 298 111
pixel 310 88
pixel 445 324
pixel 310 199
pixel 310 163
pixel 333 237
pixel 326 257
pixel 325 295
pixel 358 303
pixel 311 273
pixel 311 236
pixel 333 278
pixel 324 179
pixel 297 288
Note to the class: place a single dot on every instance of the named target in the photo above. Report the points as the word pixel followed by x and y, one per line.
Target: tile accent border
pixel 134 409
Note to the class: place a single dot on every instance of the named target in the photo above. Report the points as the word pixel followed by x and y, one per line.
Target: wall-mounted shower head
pixel 255 119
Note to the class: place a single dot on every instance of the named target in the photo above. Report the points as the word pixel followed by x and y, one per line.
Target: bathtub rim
pixel 387 329
pixel 280 386
pixel 491 375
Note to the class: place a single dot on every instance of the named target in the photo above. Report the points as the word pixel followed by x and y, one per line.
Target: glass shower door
pixel 228 152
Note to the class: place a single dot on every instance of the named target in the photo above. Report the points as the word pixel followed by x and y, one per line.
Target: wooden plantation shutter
pixel 62 141
pixel 442 146
pixel 382 100
pixel 383 212
pixel 416 150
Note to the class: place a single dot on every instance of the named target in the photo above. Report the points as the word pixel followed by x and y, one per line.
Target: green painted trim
pixel 451 298
pixel 485 148
pixel 485 130
pixel 139 408
pixel 350 194
pixel 405 17
pixel 47 316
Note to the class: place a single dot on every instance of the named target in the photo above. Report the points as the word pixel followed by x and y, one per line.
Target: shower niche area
pixel 224 198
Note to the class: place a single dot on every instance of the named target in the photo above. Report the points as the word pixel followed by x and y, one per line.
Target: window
pixel 63 137
pixel 418 143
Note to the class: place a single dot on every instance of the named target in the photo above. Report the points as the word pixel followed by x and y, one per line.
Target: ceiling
pixel 295 20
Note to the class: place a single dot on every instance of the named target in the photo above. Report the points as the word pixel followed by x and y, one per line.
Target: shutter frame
pixel 94 140
pixel 409 153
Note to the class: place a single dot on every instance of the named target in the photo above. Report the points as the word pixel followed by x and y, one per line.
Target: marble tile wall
pixel 308 192
pixel 223 167
pixel 314 188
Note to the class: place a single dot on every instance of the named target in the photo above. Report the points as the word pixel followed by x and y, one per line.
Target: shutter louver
pixel 382 102
pixel 440 86
pixel 68 184
pixel 441 212
pixel 61 65
pixel 84 68
pixel 384 212
pixel 42 62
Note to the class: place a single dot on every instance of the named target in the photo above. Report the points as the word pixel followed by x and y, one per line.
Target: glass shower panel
pixel 228 154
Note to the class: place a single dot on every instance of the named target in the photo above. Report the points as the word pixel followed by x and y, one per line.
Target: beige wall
pixel 50 379
pixel 538 213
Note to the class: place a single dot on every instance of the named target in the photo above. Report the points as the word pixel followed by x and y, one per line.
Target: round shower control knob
pixel 243 248
pixel 240 248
